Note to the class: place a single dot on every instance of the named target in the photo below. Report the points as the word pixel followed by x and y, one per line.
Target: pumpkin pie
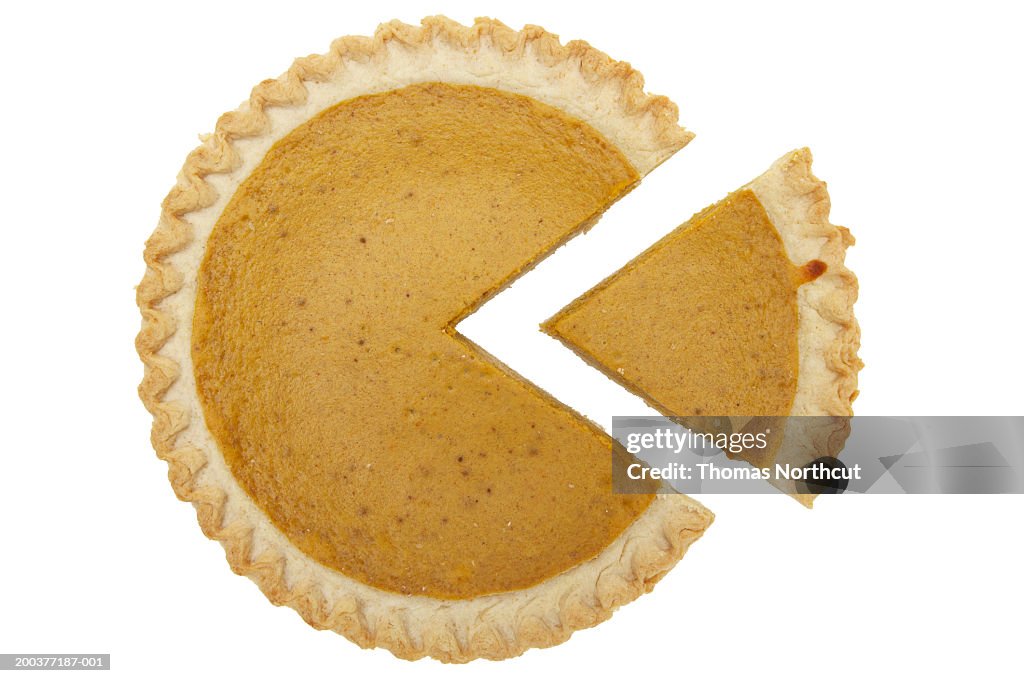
pixel 745 310
pixel 358 459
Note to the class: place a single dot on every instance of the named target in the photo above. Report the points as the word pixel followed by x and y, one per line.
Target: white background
pixel 914 115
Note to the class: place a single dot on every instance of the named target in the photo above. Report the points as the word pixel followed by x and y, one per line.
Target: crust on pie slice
pixel 574 78
pixel 813 374
pixel 828 336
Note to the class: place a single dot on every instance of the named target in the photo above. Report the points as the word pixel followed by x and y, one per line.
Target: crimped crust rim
pixel 828 335
pixel 798 204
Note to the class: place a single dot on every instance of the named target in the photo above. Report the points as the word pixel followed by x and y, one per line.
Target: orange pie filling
pixel 379 441
pixel 715 302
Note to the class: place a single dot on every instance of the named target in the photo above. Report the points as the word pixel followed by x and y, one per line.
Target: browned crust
pixel 631 566
pixel 799 206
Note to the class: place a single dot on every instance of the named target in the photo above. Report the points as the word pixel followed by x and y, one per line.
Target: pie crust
pixel 828 335
pixel 574 78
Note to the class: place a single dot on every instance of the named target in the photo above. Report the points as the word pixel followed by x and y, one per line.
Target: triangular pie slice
pixel 357 458
pixel 745 310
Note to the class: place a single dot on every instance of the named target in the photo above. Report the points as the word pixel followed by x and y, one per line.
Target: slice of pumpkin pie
pixel 745 310
pixel 358 459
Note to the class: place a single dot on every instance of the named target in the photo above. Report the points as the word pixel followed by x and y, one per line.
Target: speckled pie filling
pixel 378 440
pixel 717 301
